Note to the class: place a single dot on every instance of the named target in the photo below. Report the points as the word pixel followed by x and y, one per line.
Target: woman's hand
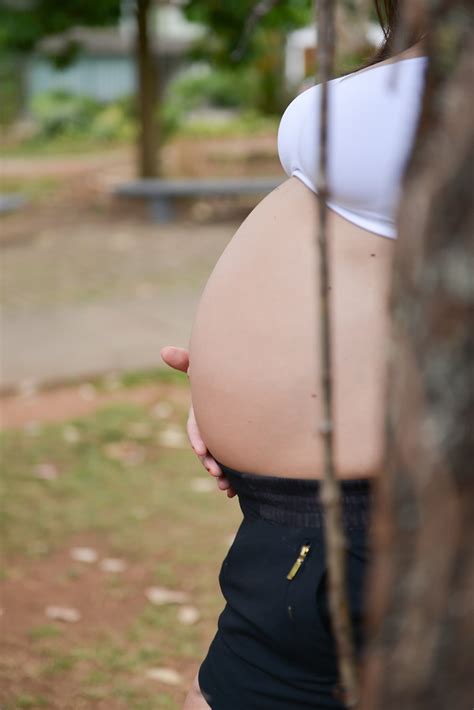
pixel 178 358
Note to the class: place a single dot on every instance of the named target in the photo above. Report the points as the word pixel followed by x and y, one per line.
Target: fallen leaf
pixel 202 485
pixel 83 554
pixel 173 437
pixel 71 435
pixel 46 471
pixel 164 675
pixel 161 595
pixel 27 388
pixel 87 391
pixel 112 381
pixel 162 410
pixel 32 428
pixel 188 615
pixel 63 613
pixel 127 452
pixel 112 565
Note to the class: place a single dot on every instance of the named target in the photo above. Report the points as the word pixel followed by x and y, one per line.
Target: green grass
pixel 93 491
pixel 148 515
pixel 157 374
pixel 148 376
pixel 35 188
pixel 28 701
pixel 247 124
pixel 59 146
pixel 45 631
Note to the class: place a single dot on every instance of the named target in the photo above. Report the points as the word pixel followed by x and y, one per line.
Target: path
pixel 101 298
pixel 88 284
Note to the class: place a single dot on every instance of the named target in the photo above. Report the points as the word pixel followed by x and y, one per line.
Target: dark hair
pixel 388 13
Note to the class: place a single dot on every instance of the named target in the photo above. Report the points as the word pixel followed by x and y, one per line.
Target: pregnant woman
pixel 253 356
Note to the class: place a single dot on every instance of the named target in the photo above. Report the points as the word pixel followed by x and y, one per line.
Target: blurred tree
pixel 251 33
pixel 24 24
pixel 150 133
pixel 421 592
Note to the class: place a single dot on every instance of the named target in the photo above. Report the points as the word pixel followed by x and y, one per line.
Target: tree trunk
pixel 272 99
pixel 421 586
pixel 147 74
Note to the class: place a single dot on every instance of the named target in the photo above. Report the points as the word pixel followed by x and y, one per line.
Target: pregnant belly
pixel 254 346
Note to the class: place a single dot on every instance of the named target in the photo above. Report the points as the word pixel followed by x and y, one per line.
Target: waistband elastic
pixel 297 501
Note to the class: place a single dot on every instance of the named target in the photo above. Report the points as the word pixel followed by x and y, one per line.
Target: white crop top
pixel 371 126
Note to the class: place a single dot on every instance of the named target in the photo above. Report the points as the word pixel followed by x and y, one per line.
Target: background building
pixel 105 67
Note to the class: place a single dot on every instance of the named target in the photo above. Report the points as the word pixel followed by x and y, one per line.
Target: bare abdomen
pixel 254 346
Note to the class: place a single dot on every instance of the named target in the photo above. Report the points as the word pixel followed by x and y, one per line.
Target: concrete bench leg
pixel 162 209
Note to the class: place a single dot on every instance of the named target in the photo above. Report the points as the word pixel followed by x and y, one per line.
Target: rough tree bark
pixel 421 623
pixel 147 94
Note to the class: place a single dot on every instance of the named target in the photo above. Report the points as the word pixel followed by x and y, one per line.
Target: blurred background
pixel 136 137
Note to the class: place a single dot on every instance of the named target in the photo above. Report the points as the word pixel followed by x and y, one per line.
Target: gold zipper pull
pixel 301 557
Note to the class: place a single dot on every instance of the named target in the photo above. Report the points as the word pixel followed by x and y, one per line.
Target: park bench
pixel 11 202
pixel 162 194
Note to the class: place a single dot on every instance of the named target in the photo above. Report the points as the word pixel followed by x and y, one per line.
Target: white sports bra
pixel 371 126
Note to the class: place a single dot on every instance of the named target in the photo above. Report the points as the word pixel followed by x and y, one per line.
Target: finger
pixel 213 467
pixel 194 434
pixel 223 484
pixel 210 465
pixel 175 357
pixel 195 437
pixel 231 493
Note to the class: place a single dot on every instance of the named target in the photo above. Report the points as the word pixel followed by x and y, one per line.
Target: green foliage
pixel 247 123
pixel 10 90
pixel 236 37
pixel 115 121
pixel 228 24
pixel 217 88
pixel 23 25
pixel 60 113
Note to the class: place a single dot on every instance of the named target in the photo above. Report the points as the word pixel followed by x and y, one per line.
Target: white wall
pixel 102 78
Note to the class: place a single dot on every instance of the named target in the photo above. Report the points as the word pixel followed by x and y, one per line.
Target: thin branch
pixel 260 10
pixel 331 494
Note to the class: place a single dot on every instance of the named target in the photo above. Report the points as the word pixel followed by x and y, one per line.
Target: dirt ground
pixel 62 403
pixel 31 588
pixel 90 283
pixel 75 666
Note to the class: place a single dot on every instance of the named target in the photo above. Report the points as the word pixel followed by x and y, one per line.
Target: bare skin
pixel 194 699
pixel 254 350
pixel 178 358
pixel 255 353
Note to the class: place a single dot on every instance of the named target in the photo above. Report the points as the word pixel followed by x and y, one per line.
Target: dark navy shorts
pixel 274 648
